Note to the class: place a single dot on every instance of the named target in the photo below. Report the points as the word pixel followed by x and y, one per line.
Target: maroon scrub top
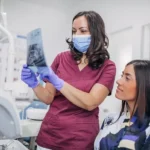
pixel 67 126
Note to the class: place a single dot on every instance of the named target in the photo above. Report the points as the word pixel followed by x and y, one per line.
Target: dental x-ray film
pixel 35 51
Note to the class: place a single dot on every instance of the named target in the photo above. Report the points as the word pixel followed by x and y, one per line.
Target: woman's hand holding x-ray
pixel 47 74
pixel 29 77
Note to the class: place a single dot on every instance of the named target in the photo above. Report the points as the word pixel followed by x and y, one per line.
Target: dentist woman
pixel 77 82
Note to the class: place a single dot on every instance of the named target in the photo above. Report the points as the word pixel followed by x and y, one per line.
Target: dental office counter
pixel 30 128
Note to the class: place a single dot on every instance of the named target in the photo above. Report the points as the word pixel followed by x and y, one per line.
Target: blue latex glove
pixel 29 77
pixel 47 74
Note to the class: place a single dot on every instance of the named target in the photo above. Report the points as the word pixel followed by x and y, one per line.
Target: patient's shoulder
pixel 113 118
pixel 109 119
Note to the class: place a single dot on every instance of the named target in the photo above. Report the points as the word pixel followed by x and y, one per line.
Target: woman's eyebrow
pixel 127 74
pixel 83 28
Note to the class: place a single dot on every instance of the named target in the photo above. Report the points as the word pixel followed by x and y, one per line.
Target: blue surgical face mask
pixel 81 42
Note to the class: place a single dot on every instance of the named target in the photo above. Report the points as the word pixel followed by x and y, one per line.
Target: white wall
pixel 118 14
pixel 51 16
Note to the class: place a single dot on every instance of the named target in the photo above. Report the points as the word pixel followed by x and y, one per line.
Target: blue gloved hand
pixel 29 77
pixel 47 74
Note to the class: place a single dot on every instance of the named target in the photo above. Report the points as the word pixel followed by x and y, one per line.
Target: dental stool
pixel 10 127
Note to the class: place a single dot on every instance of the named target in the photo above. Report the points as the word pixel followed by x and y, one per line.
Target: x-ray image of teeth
pixel 35 55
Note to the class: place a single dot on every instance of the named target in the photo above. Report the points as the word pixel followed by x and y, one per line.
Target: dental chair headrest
pixel 9 118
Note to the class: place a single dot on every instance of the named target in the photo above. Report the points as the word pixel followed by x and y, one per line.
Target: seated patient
pixel 129 130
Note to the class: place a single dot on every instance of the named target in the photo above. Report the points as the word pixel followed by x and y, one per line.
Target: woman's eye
pixel 83 31
pixel 73 31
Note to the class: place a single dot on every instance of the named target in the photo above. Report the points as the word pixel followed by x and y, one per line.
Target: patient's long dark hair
pixel 142 74
pixel 97 52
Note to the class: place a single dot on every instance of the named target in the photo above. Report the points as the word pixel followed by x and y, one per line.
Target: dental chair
pixel 10 127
